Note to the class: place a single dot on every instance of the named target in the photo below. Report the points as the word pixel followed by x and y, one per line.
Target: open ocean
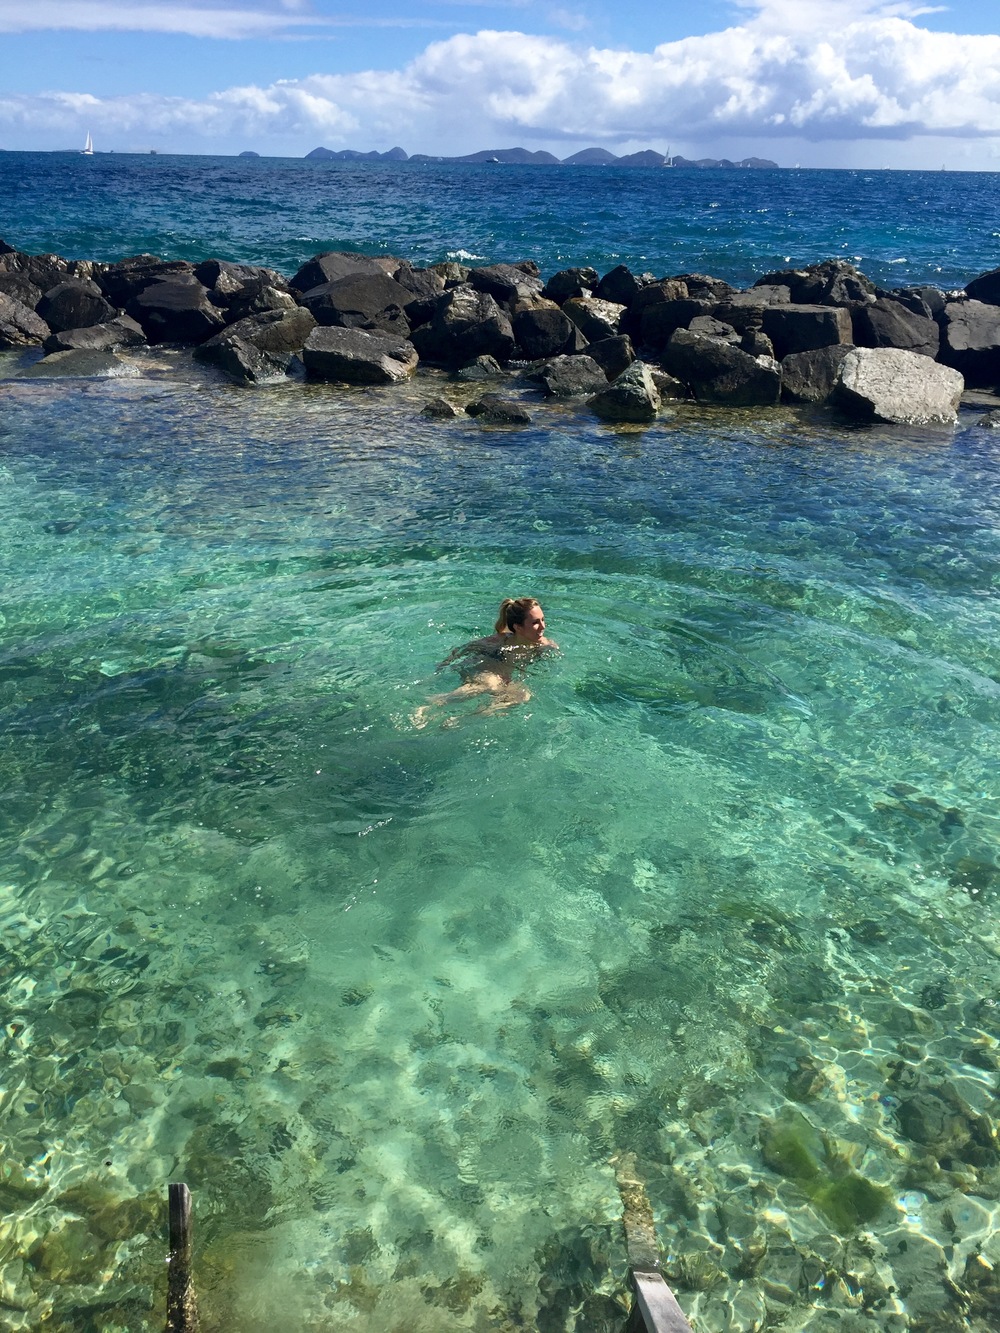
pixel 723 895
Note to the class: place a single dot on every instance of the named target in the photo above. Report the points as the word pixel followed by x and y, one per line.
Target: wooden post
pixel 182 1308
pixel 655 1309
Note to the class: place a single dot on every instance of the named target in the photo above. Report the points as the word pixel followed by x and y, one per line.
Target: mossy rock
pixel 792 1148
pixel 851 1201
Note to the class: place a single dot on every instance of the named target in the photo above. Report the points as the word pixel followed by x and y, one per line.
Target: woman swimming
pixel 487 665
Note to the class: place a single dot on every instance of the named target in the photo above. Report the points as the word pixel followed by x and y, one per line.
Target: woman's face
pixel 532 628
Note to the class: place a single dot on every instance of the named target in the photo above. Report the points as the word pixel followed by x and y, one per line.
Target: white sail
pixel 88 147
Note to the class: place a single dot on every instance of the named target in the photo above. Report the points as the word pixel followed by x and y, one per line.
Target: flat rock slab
pixel 81 363
pixel 120 332
pixel 904 388
pixel 357 356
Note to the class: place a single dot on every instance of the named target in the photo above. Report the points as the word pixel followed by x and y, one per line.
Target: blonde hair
pixel 513 611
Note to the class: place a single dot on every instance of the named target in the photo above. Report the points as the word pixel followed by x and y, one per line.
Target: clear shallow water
pixel 392 999
pixel 900 227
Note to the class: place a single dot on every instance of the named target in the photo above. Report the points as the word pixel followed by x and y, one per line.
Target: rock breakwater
pixel 820 334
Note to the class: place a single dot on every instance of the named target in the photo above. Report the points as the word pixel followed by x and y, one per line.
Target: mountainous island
pixel 587 157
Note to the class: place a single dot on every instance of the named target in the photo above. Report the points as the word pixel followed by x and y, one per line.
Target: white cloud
pixel 878 77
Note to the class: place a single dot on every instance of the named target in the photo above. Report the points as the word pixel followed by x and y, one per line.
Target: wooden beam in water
pixel 655 1309
pixel 182 1308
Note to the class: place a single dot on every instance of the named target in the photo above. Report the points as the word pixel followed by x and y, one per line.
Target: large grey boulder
pixel 239 287
pixel 361 301
pixel 887 384
pixel 357 356
pixel 833 282
pixel 595 319
pixel 889 323
pixel 985 288
pixel 718 372
pixel 809 377
pixel 570 282
pixel 20 286
pixel 620 286
pixel 20 326
pixel 120 332
pixel 633 396
pixel 506 283
pixel 247 364
pixel 465 324
pixel 42 271
pixel 176 309
pixel 660 320
pixel 542 331
pixel 75 303
pixel 570 376
pixel 123 281
pixel 745 310
pixel 970 341
pixel 800 328
pixel 278 335
pixel 613 355
pixel 420 283
pixel 332 265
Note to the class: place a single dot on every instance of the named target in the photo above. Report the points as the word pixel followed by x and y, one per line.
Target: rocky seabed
pixel 624 343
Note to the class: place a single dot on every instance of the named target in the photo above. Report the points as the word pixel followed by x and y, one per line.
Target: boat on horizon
pixel 88 148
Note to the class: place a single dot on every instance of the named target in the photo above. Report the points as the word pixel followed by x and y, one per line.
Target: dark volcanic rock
pixel 123 281
pixel 568 376
pixel 506 283
pixel 361 301
pixel 620 285
pixel 465 324
pixel 595 319
pixel 492 410
pixel 357 356
pixel 886 384
pixel 422 284
pixel 809 377
pixel 120 332
pixel 42 271
pixel 970 341
pixel 19 325
pixel 74 304
pixel 570 282
pixel 247 364
pixel 659 321
pixel 332 265
pixel 483 368
pixel 633 396
pixel 20 286
pixel 710 327
pixel 800 328
pixel 241 289
pixel 985 288
pixel 439 409
pixel 542 331
pixel 888 323
pixel 833 282
pixel 176 310
pixel 717 372
pixel 280 334
pixel 613 355
pixel 702 286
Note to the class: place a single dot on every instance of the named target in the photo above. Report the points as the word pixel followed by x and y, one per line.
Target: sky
pixel 820 83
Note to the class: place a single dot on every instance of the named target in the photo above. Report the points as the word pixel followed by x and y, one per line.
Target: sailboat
pixel 88 148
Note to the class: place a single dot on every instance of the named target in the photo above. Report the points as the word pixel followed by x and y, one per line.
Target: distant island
pixel 587 157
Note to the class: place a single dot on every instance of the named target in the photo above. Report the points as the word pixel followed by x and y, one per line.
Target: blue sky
pixel 822 82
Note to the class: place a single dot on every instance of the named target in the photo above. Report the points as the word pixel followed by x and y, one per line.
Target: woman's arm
pixel 473 646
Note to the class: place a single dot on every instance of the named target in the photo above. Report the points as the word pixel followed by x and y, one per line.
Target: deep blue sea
pixel 405 1005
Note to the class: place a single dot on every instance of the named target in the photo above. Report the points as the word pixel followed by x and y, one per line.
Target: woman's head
pixel 522 617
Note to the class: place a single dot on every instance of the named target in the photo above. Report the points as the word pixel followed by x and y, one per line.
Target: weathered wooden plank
pixel 182 1308
pixel 657 1305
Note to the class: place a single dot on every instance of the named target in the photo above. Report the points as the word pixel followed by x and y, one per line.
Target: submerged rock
pixel 81 363
pixel 439 409
pixel 492 410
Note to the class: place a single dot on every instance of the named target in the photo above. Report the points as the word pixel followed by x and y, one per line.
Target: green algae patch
pixel 796 1150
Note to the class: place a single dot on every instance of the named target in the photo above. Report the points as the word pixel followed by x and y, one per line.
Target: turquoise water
pixel 899 226
pixel 391 1000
